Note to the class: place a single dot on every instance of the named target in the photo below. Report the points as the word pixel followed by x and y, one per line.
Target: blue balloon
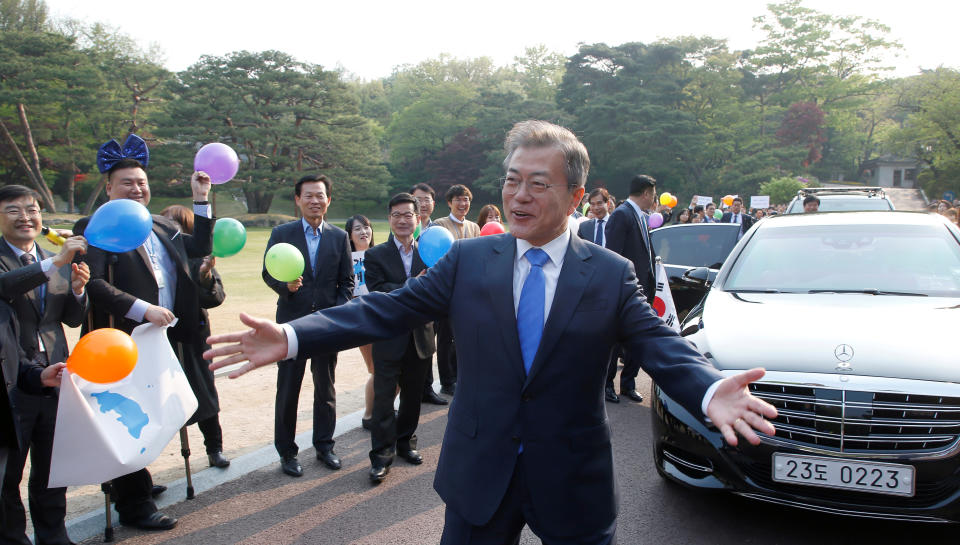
pixel 433 244
pixel 119 226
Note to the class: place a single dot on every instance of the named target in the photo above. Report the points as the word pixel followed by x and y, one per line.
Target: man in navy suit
pixel 736 215
pixel 527 440
pixel 628 234
pixel 327 281
pixel 402 360
pixel 593 228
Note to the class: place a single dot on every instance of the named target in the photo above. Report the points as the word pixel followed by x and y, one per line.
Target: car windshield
pixel 705 245
pixel 843 204
pixel 880 259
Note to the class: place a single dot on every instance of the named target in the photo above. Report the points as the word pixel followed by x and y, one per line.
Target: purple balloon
pixel 656 220
pixel 218 160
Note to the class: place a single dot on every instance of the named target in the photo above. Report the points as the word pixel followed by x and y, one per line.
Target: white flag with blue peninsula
pixel 108 430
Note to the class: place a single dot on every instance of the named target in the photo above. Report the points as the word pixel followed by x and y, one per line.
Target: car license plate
pixel 874 477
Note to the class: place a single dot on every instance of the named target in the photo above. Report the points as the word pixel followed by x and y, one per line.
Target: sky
pixel 369 38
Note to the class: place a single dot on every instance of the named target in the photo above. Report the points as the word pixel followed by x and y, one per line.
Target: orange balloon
pixel 103 356
pixel 728 200
pixel 673 201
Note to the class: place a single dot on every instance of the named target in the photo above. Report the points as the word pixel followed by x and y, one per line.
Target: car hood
pixel 885 336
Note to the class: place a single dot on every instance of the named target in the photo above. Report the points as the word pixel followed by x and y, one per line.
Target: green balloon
pixel 284 262
pixel 229 236
pixel 717 214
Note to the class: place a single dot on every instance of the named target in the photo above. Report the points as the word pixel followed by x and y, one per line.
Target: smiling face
pixel 129 183
pixel 313 201
pixel 20 221
pixel 539 216
pixel 426 202
pixel 459 206
pixel 360 235
pixel 403 220
pixel 598 205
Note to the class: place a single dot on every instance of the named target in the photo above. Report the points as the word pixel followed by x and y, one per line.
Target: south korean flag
pixel 663 300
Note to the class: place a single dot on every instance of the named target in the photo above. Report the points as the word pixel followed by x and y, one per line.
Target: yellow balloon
pixel 665 198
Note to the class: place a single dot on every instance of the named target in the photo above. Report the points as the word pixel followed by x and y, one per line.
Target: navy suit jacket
pixel 557 411
pixel 333 284
pixel 16 372
pixel 385 272
pixel 587 230
pixel 624 238
pixel 746 221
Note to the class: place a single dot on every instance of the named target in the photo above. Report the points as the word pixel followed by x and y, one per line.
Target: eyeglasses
pixel 511 184
pixel 404 215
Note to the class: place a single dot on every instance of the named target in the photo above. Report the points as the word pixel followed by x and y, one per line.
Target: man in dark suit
pixel 401 360
pixel 527 440
pixel 18 374
pixel 327 281
pixel 628 234
pixel 594 228
pixel 149 284
pixel 53 294
pixel 736 215
pixel 426 199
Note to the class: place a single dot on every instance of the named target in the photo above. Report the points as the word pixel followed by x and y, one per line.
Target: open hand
pixel 263 344
pixel 734 409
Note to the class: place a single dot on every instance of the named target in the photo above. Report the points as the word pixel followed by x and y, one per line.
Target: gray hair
pixel 541 134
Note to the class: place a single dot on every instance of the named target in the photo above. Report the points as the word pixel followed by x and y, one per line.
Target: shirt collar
pixel 18 252
pixel 307 228
pixel 454 218
pixel 400 245
pixel 636 208
pixel 556 248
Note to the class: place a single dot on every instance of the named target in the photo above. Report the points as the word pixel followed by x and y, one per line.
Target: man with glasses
pixel 458 199
pixel 402 360
pixel 426 198
pixel 327 281
pixel 527 440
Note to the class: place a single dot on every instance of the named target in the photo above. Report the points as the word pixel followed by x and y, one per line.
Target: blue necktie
pixel 598 238
pixel 530 309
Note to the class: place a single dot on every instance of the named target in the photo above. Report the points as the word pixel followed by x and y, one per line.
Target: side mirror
pixel 699 276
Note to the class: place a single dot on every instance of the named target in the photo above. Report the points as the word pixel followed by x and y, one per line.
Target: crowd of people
pixel 172 276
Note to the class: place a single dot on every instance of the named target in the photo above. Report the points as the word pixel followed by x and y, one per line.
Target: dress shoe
pixel 366 423
pixel 411 456
pixel 378 474
pixel 431 397
pixel 610 395
pixel 633 395
pixel 153 521
pixel 448 390
pixel 217 459
pixel 329 459
pixel 157 490
pixel 291 466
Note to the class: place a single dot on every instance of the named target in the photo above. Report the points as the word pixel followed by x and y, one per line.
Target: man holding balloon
pixel 139 273
pixel 45 291
pixel 309 265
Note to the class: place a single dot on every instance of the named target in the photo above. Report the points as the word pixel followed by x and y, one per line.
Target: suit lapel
pixel 574 277
pixel 172 250
pixel 12 262
pixel 498 282
pixel 396 260
pixel 300 241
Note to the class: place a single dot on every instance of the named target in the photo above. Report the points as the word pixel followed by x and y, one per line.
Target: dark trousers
pixel 134 495
pixel 289 379
pixel 628 375
pixel 389 433
pixel 446 356
pixel 516 510
pixel 212 434
pixel 48 506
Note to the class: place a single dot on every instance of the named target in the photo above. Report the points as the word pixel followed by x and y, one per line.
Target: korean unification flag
pixel 108 430
pixel 663 300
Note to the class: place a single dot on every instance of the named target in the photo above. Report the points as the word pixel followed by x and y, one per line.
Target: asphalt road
pixel 341 507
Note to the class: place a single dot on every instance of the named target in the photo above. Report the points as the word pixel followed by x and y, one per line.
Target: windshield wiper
pixel 767 290
pixel 872 291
